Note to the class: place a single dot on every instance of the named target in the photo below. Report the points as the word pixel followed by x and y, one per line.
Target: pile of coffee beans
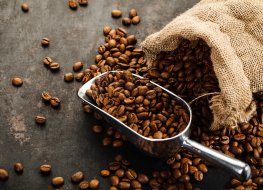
pixel 142 106
pixel 122 176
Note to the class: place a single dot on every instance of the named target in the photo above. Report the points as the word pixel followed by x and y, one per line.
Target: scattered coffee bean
pixel 45 168
pixel 94 184
pixel 54 66
pixel 136 20
pixel 46 96
pixel 3 174
pixel 104 173
pixel 79 76
pixel 87 108
pixel 54 102
pixel 57 181
pixel 72 4
pixel 17 82
pixel 84 185
pixel 45 42
pixel 40 119
pixel 83 2
pixel 97 128
pixel 77 177
pixel 124 185
pixel 18 167
pixel 77 66
pixel 47 61
pixel 114 180
pixel 25 7
pixel 68 77
pixel 116 13
pixel 126 21
pixel 132 13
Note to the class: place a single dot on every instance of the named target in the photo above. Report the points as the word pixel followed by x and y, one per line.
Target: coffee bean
pixel 114 180
pixel 57 181
pixel 131 174
pixel 45 42
pixel 131 40
pixel 158 135
pixel 120 173
pixel 40 119
pixel 97 128
pixel 54 102
pixel 19 168
pixel 68 77
pixel 258 180
pixel 106 141
pixel 17 82
pixel 46 96
pixel 113 188
pixel 126 21
pixel 72 4
pixel 198 175
pixel 136 184
pixel 136 20
pixel 124 185
pixel 104 173
pixel 77 177
pixel 84 185
pixel 3 174
pixel 45 168
pixel 203 168
pixel 132 13
pixel 106 30
pixel 83 2
pixel 24 7
pixel 94 184
pixel 117 143
pixel 47 61
pixel 79 76
pixel 116 13
pixel 77 66
pixel 54 66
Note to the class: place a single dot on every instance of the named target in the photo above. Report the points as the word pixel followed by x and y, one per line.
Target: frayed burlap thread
pixel 233 29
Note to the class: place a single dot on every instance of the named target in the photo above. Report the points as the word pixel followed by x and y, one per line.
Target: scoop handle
pixel 232 166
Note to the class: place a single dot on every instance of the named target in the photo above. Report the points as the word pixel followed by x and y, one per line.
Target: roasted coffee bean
pixel 106 30
pixel 54 102
pixel 113 188
pixel 83 2
pixel 136 20
pixel 77 66
pixel 143 179
pixel 79 76
pixel 104 173
pixel 136 184
pixel 116 13
pixel 24 7
pixel 114 180
pixel 120 173
pixel 84 185
pixel 106 141
pixel 40 119
pixel 73 4
pixel 94 184
pixel 45 42
pixel 45 168
pixel 46 96
pixel 198 175
pixel 131 174
pixel 258 180
pixel 57 181
pixel 97 128
pixel 3 174
pixel 126 21
pixel 117 143
pixel 124 185
pixel 132 13
pixel 17 82
pixel 54 66
pixel 77 177
pixel 202 168
pixel 18 167
pixel 68 77
pixel 47 61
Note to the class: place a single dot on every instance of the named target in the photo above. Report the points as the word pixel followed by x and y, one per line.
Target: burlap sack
pixel 234 31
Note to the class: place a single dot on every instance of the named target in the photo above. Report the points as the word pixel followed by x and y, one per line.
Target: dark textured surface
pixel 66 141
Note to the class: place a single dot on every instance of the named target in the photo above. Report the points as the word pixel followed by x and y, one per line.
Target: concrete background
pixel 66 141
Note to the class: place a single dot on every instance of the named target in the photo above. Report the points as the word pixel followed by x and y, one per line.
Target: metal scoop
pixel 169 146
